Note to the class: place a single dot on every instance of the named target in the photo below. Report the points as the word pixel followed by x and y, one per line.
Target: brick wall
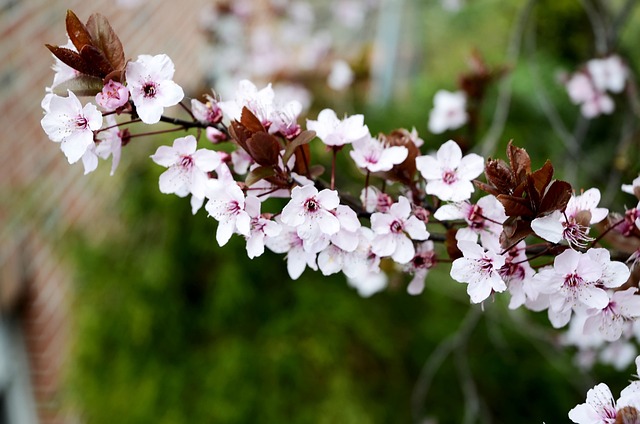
pixel 41 196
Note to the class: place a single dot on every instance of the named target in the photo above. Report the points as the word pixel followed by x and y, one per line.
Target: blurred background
pixel 116 305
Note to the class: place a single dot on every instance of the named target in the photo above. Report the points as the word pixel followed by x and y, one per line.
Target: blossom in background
pixel 374 155
pixel 207 113
pixel 608 74
pixel 188 167
pixel 449 111
pixel 633 187
pixel 341 76
pixel 69 123
pixel 395 231
pixel 285 119
pixel 448 174
pixel 335 132
pixel 150 83
pixel 112 96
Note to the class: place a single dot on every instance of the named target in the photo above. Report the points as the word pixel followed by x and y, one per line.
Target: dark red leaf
pixel 556 197
pixel 77 32
pixel 520 162
pixel 264 148
pixel 542 177
pixel 105 39
pixel 499 175
pixel 303 158
pixel 513 231
pixel 515 206
pixel 486 187
pixel 98 63
pixel 70 58
pixel 250 121
pixel 240 134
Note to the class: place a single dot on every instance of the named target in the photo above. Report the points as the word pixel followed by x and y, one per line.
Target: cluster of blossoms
pixel 589 87
pixel 501 242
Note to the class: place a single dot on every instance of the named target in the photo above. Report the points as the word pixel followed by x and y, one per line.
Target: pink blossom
pixel 484 218
pixel 395 230
pixel 150 83
pixel 112 96
pixel 68 123
pixel 207 113
pixel 335 132
pixel 419 267
pixel 600 407
pixel 448 174
pixel 290 243
pixel 480 269
pixel 341 76
pixel 259 102
pixel 226 204
pixel 261 227
pixel 309 211
pixel 610 321
pixel 374 155
pixel 188 167
pixel 449 111
pixel 608 74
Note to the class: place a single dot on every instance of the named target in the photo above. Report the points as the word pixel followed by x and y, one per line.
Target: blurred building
pixel 43 198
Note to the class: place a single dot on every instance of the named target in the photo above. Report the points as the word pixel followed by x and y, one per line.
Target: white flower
pixel 608 74
pixel 610 321
pixel 335 132
pixel 68 123
pixel 448 174
pixel 419 266
pixel 581 212
pixel 290 243
pixel 394 231
pixel 479 268
pixel 633 187
pixel 110 144
pixel 449 111
pixel 188 168
pixel 261 227
pixel 149 80
pixel 259 102
pixel 574 281
pixel 373 155
pixel 309 212
pixel 341 76
pixel 226 204
pixel 600 407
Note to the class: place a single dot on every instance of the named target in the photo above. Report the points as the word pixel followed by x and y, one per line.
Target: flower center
pixel 396 227
pixel 424 260
pixel 81 122
pixel 476 220
pixel 573 280
pixel 486 264
pixel 186 162
pixel 449 177
pixel 576 234
pixel 311 205
pixel 149 89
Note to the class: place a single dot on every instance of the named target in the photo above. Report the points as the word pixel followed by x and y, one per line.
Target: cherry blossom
pixel 226 204
pixel 209 112
pixel 608 74
pixel 261 227
pixel 285 120
pixel 484 218
pixel 374 155
pixel 69 123
pixel 573 224
pixel 309 212
pixel 188 167
pixel 632 188
pixel 448 174
pixel 449 111
pixel 419 266
pixel 480 269
pixel 395 230
pixel 112 96
pixel 110 143
pixel 341 76
pixel 150 83
pixel 259 102
pixel 623 307
pixel 601 407
pixel 290 243
pixel 335 132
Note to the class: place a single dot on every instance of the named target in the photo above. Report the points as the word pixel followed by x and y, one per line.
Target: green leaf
pixel 83 85
pixel 258 174
pixel 303 138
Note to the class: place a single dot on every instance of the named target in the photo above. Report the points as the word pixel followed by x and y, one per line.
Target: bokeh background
pixel 118 306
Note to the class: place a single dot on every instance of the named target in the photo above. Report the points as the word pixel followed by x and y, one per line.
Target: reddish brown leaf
pixel 515 206
pixel 520 162
pixel 542 177
pixel 556 197
pixel 451 244
pixel 105 39
pixel 77 32
pixel 486 187
pixel 70 58
pixel 264 148
pixel 499 175
pixel 240 134
pixel 98 63
pixel 513 231
pixel 250 121
pixel 303 158
pixel 533 194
